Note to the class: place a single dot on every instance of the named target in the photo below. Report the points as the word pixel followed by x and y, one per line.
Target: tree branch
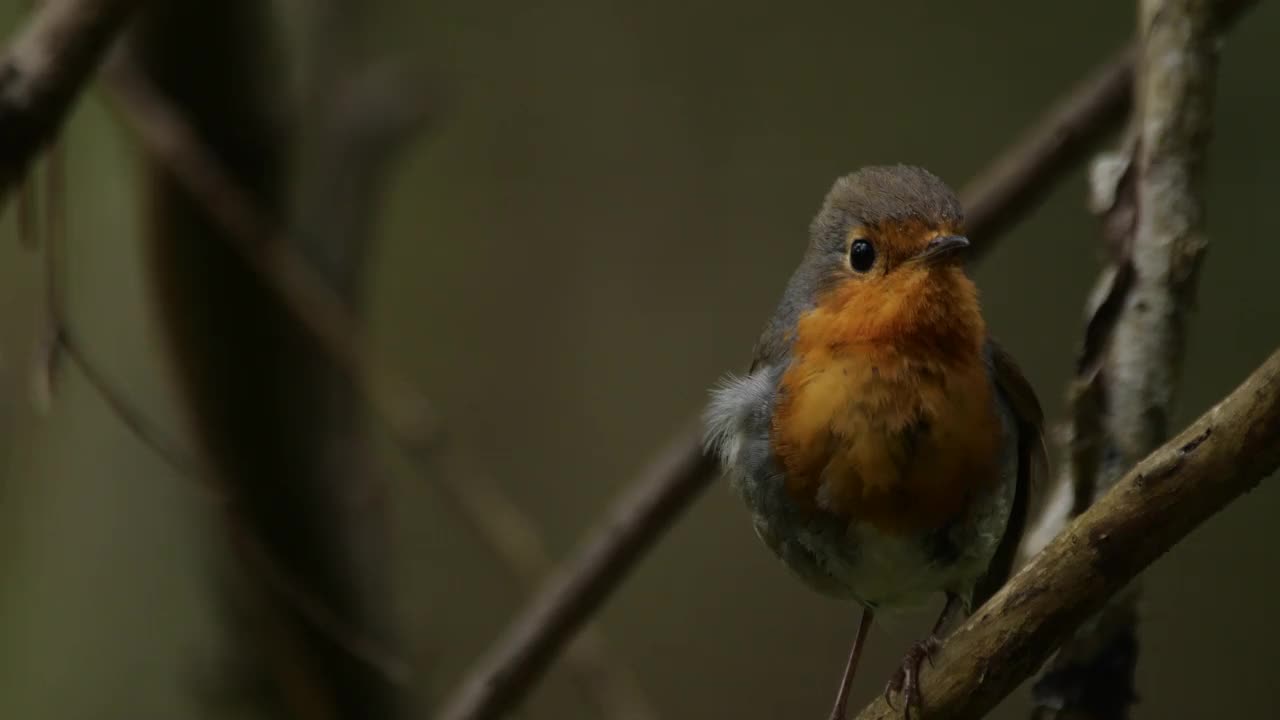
pixel 1151 197
pixel 1001 195
pixel 1175 108
pixel 256 237
pixel 1023 174
pixel 43 72
pixel 573 594
pixel 1020 177
pixel 1224 454
pixel 257 386
pixel 515 540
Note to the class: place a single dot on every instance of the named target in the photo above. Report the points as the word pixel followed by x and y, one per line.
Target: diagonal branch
pixel 1224 454
pixel 171 140
pixel 574 593
pixel 514 539
pixel 1023 174
pixel 355 641
pixel 43 73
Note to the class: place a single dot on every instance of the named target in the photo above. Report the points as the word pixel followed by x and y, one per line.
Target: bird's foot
pixel 907 679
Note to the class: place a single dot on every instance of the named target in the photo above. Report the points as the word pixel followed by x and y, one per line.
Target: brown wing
pixel 1026 407
pixel 1033 466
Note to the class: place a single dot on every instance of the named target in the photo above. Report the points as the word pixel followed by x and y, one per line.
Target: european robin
pixel 884 444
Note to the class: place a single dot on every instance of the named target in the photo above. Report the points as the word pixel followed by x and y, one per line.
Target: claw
pixel 907 678
pixel 893 686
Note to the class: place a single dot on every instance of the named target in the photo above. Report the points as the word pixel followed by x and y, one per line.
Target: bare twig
pixel 513 537
pixel 62 342
pixel 187 464
pixel 42 75
pixel 1224 454
pixel 396 403
pixel 1018 179
pixel 1023 174
pixel 581 586
pixel 1152 201
pixel 141 427
pixel 1002 194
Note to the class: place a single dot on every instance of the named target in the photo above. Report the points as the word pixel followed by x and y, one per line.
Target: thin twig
pixel 185 463
pixel 1020 177
pixel 43 73
pixel 170 140
pixel 995 201
pixel 574 593
pixel 511 535
pixel 61 343
pixel 1224 454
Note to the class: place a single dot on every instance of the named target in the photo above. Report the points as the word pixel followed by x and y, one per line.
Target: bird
pixel 886 446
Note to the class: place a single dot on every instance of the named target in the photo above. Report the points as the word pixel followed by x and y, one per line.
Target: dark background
pixel 594 230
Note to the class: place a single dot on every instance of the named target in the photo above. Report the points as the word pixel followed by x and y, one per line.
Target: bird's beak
pixel 943 246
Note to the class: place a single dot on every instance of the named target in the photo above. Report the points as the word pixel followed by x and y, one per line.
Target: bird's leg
pixel 907 679
pixel 842 697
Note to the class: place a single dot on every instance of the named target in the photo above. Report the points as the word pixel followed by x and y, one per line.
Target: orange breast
pixel 897 435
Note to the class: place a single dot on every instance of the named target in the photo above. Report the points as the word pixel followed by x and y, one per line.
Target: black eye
pixel 861 256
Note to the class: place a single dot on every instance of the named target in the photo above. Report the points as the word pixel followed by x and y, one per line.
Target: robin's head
pixel 885 254
pixel 882 220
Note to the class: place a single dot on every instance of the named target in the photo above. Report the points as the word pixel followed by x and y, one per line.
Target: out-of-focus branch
pixel 61 346
pixel 373 109
pixel 170 139
pixel 258 386
pixel 1151 199
pixel 1001 195
pixel 43 73
pixel 182 461
pixel 576 591
pixel 1022 175
pixel 513 537
pixel 359 119
pixel 1224 454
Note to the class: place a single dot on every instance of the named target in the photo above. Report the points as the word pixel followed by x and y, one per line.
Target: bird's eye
pixel 861 255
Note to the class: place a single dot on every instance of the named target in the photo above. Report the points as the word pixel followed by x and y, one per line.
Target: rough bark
pixel 1151 199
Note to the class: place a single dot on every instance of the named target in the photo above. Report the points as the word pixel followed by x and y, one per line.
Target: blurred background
pixel 599 217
